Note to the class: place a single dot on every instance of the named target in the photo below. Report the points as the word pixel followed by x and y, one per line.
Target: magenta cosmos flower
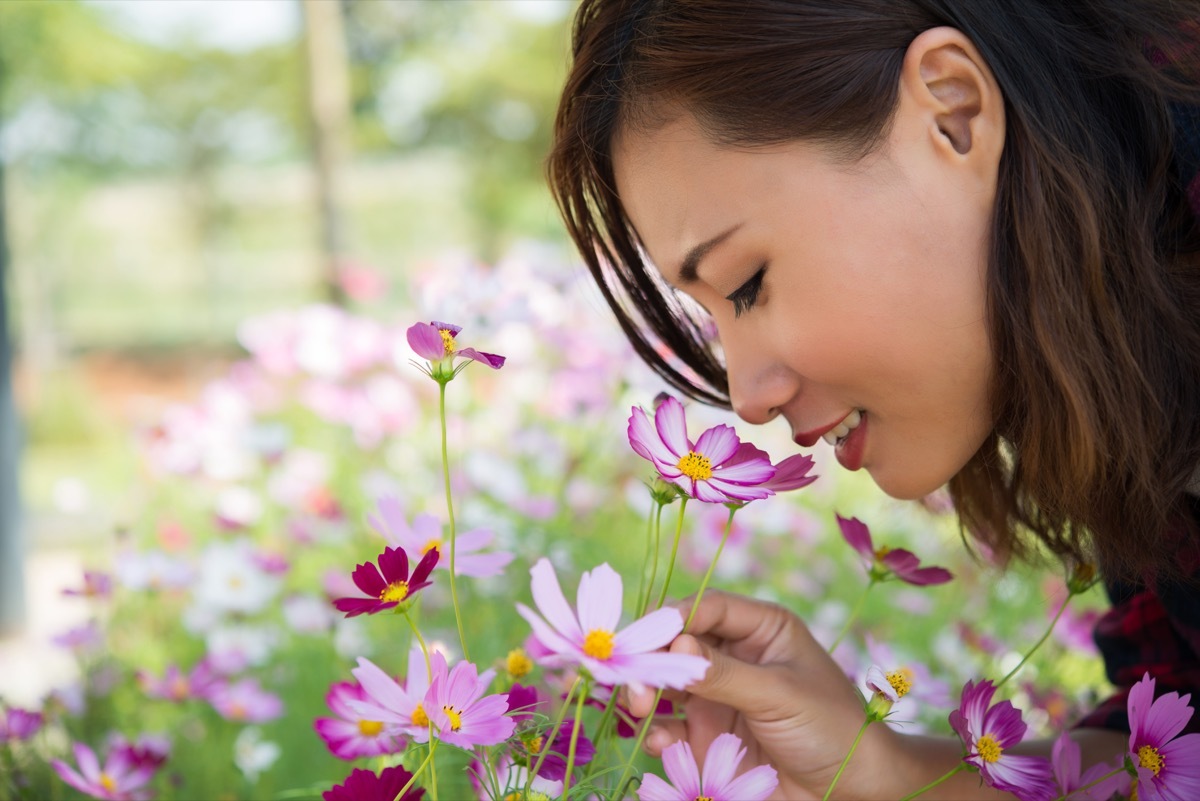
pixel 350 736
pixel 716 782
pixel 364 785
pixel 388 585
pixel 401 708
pixel 1066 760
pixel 460 712
pixel 19 724
pixel 590 637
pixel 987 731
pixel 437 342
pixel 713 469
pixel 1168 766
pixel 792 473
pixel 245 701
pixel 121 779
pixel 884 562
pixel 425 534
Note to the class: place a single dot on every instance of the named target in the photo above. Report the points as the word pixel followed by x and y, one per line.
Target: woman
pixel 953 239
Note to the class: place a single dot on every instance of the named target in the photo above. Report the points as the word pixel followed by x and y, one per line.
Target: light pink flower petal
pixel 379 687
pixel 704 491
pixel 671 425
pixel 71 777
pixel 425 527
pixel 85 758
pixel 736 491
pixel 655 789
pixel 462 686
pixel 551 602
pixel 489 719
pixel 1025 776
pixel 479 565
pixel 756 784
pixel 878 682
pixel 719 443
pixel 1141 700
pixel 644 439
pixel 599 599
pixel 1003 722
pixel 649 633
pixel 721 762
pixel 858 535
pixel 390 520
pixel 426 341
pixel 793 473
pixel 1181 759
pixel 1065 758
pixel 680 766
pixel 1168 715
pixel 469 541
pixel 547 635
pixel 676 671
pixel 751 472
pixel 492 360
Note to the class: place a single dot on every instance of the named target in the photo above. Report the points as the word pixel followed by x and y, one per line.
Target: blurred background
pixel 173 167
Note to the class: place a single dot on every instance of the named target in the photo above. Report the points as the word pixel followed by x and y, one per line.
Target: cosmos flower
pixel 400 709
pixel 885 562
pixel 121 778
pixel 349 736
pixel 887 689
pixel 175 685
pixel 425 534
pixel 711 469
pixel 1066 761
pixel 460 712
pixel 716 782
pixel 245 701
pixel 388 585
pixel 790 474
pixel 365 785
pixel 988 731
pixel 1168 766
pixel 437 342
pixel 590 637
pixel 19 724
pixel 95 585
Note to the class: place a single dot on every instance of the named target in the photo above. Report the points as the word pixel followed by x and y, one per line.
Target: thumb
pixel 748 688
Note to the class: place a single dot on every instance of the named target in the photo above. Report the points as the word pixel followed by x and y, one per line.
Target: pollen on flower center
pixel 989 750
pixel 900 681
pixel 598 644
pixel 455 717
pixel 535 745
pixel 704 798
pixel 429 546
pixel 370 728
pixel 1149 757
pixel 396 591
pixel 695 466
pixel 107 782
pixel 882 551
pixel 419 718
pixel 518 663
pixel 447 340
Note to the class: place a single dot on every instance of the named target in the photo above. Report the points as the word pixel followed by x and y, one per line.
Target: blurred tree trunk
pixel 329 111
pixel 12 551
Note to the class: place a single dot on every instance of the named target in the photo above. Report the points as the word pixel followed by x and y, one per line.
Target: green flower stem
pixel 424 649
pixel 562 714
pixel 651 543
pixel 862 599
pixel 959 768
pixel 450 511
pixel 1037 644
pixel 1092 783
pixel 417 773
pixel 641 738
pixel 587 688
pixel 602 732
pixel 853 747
pixel 711 567
pixel 674 551
pixel 644 604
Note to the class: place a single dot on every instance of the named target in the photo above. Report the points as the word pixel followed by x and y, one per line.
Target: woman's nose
pixel 759 385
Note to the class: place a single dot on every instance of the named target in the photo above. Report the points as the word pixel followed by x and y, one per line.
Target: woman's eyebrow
pixel 688 273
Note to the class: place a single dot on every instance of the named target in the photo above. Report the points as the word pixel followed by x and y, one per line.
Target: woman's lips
pixel 851 449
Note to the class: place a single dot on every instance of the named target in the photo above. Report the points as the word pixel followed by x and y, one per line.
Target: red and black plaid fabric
pixel 1153 627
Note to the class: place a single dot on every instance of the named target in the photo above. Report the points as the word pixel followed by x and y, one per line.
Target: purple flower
pixel 19 724
pixel 245 701
pixel 1167 766
pixel 400 708
pixel 460 712
pixel 121 779
pixel 713 469
pixel 591 639
pixel 716 782
pixel 389 585
pixel 425 534
pixel 437 342
pixel 175 685
pixel 364 785
pixel 988 732
pixel 884 562
pixel 350 736
pixel 790 474
pixel 95 585
pixel 1066 761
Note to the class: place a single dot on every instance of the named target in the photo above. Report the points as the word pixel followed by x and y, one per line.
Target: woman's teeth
pixel 843 429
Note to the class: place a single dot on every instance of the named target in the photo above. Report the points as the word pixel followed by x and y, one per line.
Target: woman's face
pixel 839 291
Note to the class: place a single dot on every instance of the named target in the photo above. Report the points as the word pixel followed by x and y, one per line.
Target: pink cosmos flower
pixel 590 637
pixel 790 474
pixel 401 709
pixel 425 534
pixel 884 562
pixel 349 736
pixel 19 724
pixel 175 685
pixel 1066 761
pixel 713 469
pixel 364 785
pixel 716 782
pixel 121 778
pixel 1168 766
pixel 95 585
pixel 460 712
pixel 987 731
pixel 437 342
pixel 388 585
pixel 245 701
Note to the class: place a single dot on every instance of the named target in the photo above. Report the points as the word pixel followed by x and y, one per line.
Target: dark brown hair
pixel 1094 281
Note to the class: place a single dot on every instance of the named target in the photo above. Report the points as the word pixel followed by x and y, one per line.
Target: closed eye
pixel 745 296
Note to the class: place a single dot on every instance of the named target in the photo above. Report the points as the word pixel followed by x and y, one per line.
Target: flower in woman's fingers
pixel 438 343
pixel 388 585
pixel 716 782
pixel 589 637
pixel 884 562
pixel 1168 766
pixel 365 785
pixel 711 469
pixel 988 732
pixel 887 689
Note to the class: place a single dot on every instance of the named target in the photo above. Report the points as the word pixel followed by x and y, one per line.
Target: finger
pixel 664 733
pixel 755 690
pixel 639 702
pixel 750 627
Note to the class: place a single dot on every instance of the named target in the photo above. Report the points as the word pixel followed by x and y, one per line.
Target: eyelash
pixel 745 296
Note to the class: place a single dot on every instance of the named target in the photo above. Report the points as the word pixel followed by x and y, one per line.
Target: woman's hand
pixel 775 687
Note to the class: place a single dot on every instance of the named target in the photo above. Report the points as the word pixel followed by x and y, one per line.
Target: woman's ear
pixel 952 90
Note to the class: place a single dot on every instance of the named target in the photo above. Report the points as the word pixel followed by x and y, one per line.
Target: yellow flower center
pixel 535 745
pixel 901 681
pixel 419 718
pixel 370 728
pixel 1148 757
pixel 455 717
pixel 396 591
pixel 448 341
pixel 704 798
pixel 518 663
pixel 989 750
pixel 179 688
pixel 237 711
pixel 598 644
pixel 108 783
pixel 695 466
pixel 429 546
pixel 882 551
